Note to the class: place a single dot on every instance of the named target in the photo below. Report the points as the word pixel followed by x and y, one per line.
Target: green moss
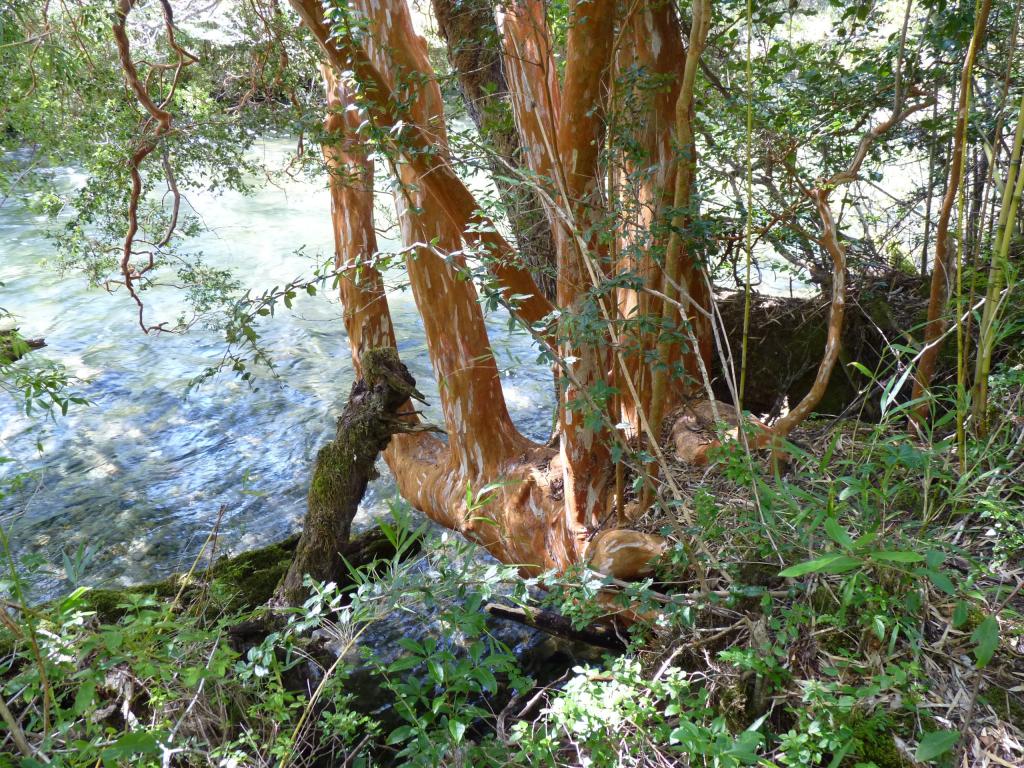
pixel 874 734
pixel 232 585
pixel 1006 706
pixel 250 579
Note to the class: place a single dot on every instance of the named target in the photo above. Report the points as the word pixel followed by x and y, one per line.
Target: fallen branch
pixel 558 625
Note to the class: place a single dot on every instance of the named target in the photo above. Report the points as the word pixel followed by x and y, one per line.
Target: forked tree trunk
pixel 524 520
pixel 547 509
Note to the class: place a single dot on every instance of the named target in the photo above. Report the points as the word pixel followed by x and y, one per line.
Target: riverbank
pixel 914 655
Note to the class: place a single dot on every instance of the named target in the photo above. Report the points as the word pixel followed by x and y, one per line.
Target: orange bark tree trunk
pixel 544 509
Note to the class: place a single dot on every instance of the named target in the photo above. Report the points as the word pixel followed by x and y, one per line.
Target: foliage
pixel 869 589
pixel 846 646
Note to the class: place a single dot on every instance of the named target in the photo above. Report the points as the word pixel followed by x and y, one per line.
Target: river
pixel 139 476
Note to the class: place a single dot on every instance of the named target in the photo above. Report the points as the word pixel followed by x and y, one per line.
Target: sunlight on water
pixel 141 474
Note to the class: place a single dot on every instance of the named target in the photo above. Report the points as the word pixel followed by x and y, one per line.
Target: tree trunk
pixel 526 517
pixel 474 50
pixel 944 256
pixel 648 78
pixel 345 466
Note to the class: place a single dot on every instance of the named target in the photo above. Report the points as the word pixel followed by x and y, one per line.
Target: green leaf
pixel 835 563
pixel 892 389
pixel 987 638
pixel 457 729
pixel 848 491
pixel 745 747
pixel 934 558
pixel 436 670
pixel 878 623
pixel 401 733
pixel 897 556
pixel 942 581
pixel 84 697
pixel 935 743
pixel 960 612
pixel 485 678
pixel 862 369
pixel 838 534
pixel 132 743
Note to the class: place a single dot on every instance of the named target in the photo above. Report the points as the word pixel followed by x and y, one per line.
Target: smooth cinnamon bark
pixel 526 519
pixel 584 440
pixel 481 433
pixel 367 319
pixel 678 270
pixel 652 49
pixel 475 53
pixel 436 174
pixel 536 95
pixel 653 46
pixel 830 242
pixel 522 522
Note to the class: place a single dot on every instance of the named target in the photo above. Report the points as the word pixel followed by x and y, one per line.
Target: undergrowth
pixel 860 608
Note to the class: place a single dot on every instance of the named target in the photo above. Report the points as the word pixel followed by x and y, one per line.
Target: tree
pixel 626 165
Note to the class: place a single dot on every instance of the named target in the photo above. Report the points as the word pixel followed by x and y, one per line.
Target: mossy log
pixel 345 466
pixel 235 585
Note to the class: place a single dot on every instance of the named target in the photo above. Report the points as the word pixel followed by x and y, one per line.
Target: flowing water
pixel 140 475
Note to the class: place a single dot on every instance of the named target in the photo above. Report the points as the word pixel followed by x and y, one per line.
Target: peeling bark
pixel 525 519
pixel 656 54
pixel 474 50
pixel 435 173
pixel 679 270
pixel 584 449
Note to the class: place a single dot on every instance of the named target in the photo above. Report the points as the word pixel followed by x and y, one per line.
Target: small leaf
pixel 863 369
pixel 942 581
pixel 879 626
pixel 935 743
pixel 960 613
pixel 84 697
pixel 132 743
pixel 401 733
pixel 897 556
pixel 848 491
pixel 834 563
pixel 436 670
pixel 838 534
pixel 987 638
pixel 457 729
pixel 892 389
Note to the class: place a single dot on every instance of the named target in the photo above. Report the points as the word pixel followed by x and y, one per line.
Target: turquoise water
pixel 139 476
